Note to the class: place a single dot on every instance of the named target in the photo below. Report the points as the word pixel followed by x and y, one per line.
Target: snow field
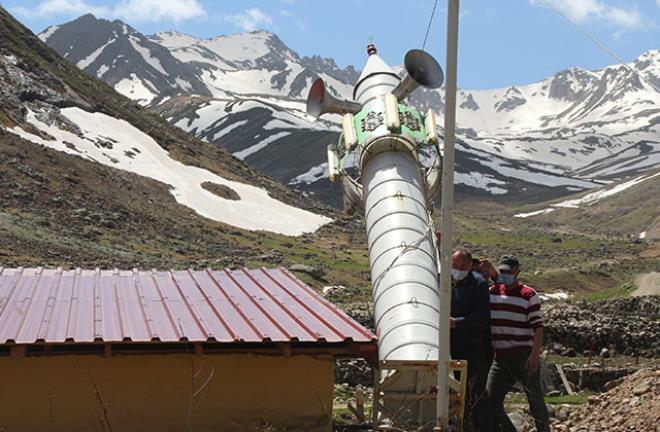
pixel 136 89
pixel 256 210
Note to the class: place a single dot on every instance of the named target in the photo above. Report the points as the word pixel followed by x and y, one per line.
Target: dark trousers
pixel 478 415
pixel 504 373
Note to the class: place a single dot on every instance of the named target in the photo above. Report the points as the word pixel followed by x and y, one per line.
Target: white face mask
pixel 507 279
pixel 459 275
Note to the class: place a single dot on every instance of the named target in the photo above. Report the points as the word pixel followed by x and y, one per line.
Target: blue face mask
pixel 507 279
pixel 459 275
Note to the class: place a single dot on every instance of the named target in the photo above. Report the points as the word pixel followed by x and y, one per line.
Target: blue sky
pixel 502 42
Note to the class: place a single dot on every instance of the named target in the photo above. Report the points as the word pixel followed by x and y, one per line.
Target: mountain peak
pixel 649 64
pixel 650 54
pixel 86 17
pixel 263 32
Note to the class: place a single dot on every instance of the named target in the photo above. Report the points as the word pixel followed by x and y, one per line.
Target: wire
pixel 428 28
pixel 599 44
pixel 413 246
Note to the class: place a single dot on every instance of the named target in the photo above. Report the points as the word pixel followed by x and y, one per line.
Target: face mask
pixel 459 275
pixel 507 279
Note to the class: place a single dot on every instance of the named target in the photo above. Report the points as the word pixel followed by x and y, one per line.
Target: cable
pixel 407 248
pixel 428 28
pixel 599 44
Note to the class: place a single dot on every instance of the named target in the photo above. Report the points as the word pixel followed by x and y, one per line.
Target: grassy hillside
pixel 627 213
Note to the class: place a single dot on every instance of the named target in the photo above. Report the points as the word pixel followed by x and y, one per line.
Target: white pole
pixel 442 408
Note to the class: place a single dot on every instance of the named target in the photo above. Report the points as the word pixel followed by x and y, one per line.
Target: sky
pixel 501 42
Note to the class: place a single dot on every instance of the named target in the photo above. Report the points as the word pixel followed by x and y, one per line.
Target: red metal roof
pixel 82 306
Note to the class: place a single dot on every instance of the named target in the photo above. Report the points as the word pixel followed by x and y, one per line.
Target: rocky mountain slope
pixel 43 106
pixel 564 134
pixel 629 207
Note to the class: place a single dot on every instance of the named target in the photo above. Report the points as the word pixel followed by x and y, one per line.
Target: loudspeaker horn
pixel 320 102
pixel 421 70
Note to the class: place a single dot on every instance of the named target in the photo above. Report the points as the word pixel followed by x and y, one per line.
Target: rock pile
pixel 631 404
pixel 627 326
pixel 354 372
pixel 645 306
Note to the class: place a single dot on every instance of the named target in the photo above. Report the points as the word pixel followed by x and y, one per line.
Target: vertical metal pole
pixel 442 408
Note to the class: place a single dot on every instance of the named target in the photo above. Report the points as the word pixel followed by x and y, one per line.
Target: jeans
pixel 478 415
pixel 504 373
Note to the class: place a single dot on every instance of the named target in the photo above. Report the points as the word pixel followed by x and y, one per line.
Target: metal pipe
pixel 442 408
pixel 402 257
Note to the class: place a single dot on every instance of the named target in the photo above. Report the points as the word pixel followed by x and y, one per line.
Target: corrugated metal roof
pixel 82 306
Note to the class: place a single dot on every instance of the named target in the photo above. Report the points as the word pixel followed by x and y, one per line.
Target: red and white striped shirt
pixel 514 315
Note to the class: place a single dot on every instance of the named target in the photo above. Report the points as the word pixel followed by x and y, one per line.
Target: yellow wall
pixel 152 393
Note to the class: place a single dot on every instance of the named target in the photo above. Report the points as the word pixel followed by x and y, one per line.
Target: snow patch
pixel 183 84
pixel 256 210
pixel 598 195
pixel 255 148
pixel 534 213
pixel 102 70
pixel 229 128
pixel 591 198
pixel 312 175
pixel 480 181
pixel 82 64
pixel 134 88
pixel 46 34
pixel 146 55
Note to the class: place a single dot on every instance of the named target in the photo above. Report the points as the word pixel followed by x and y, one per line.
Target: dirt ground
pixel 631 404
pixel 648 284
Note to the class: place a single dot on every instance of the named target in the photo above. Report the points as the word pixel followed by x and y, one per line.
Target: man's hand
pixel 487 267
pixel 532 364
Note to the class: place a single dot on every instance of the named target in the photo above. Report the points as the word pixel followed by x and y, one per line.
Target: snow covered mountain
pixel 151 69
pixel 46 103
pixel 124 58
pixel 570 132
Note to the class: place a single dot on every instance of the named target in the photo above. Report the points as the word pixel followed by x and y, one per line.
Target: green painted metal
pixel 370 122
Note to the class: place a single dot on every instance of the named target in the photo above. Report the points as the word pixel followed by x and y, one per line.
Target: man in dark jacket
pixel 470 321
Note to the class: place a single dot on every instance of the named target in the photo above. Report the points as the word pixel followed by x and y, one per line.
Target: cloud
pixel 249 19
pixel 134 10
pixel 299 23
pixel 624 18
pixel 49 8
pixel 582 11
pixel 160 10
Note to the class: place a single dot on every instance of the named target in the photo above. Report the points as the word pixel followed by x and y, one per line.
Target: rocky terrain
pixel 629 326
pixel 631 404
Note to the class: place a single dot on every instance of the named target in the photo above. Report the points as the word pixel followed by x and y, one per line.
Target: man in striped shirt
pixel 517 332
